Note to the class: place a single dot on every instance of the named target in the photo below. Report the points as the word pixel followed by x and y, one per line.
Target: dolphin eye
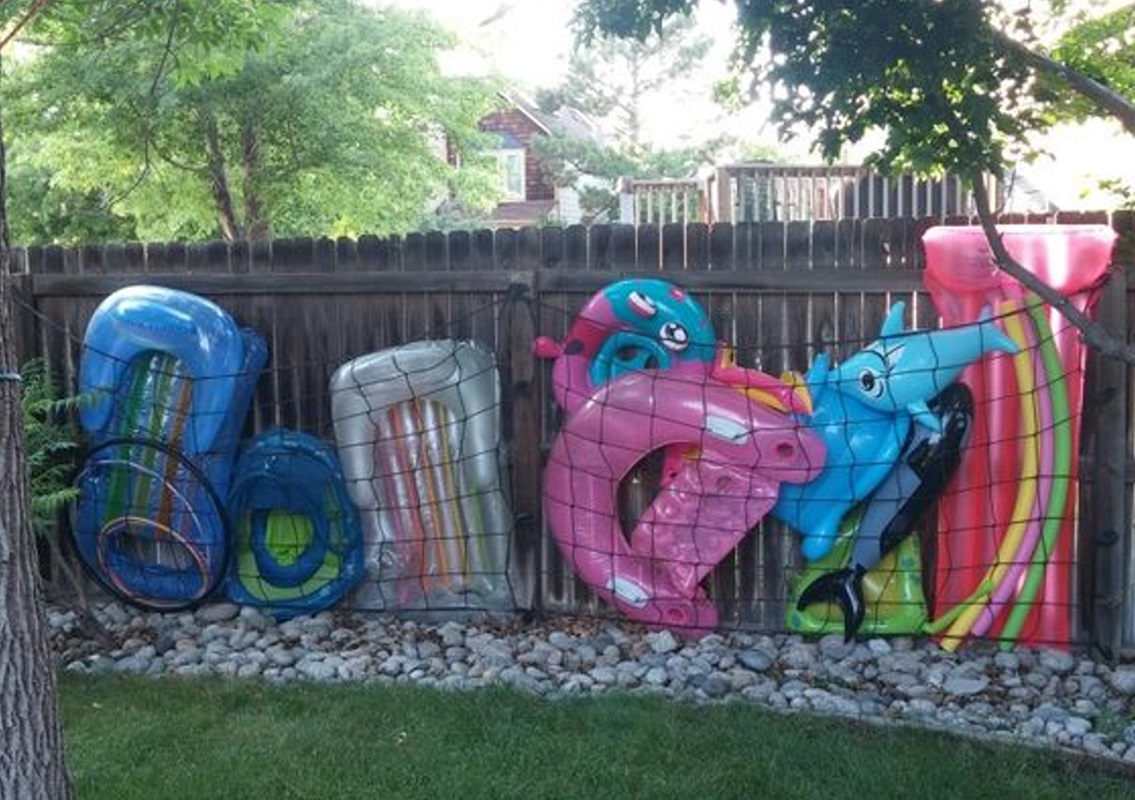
pixel 674 336
pixel 871 384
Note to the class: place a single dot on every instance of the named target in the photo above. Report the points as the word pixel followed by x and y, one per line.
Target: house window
pixel 510 164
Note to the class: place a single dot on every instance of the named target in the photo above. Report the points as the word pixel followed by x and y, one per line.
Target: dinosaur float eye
pixel 871 384
pixel 674 336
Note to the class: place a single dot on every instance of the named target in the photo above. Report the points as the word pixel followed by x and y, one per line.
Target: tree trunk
pixel 255 222
pixel 31 745
pixel 218 179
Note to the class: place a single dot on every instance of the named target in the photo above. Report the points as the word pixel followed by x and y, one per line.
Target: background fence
pixel 780 291
pixel 759 192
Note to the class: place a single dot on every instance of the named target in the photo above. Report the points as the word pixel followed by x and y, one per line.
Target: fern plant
pixel 51 444
pixel 52 448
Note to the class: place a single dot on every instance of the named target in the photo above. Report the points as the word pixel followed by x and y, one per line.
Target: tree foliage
pixel 333 123
pixel 612 78
pixel 950 83
pixel 931 75
pixel 613 81
pixel 1101 48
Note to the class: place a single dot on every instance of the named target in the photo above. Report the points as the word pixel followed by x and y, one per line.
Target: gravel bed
pixel 1043 697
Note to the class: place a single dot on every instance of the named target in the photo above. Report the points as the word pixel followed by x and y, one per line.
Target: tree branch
pixel 1110 101
pixel 28 16
pixel 1094 334
pixel 255 222
pixel 218 178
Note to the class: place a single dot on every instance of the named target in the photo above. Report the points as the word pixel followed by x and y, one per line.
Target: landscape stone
pixel 1043 697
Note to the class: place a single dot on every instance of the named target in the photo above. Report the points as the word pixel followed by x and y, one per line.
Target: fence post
pixel 522 415
pixel 1109 541
pixel 628 211
pixel 722 198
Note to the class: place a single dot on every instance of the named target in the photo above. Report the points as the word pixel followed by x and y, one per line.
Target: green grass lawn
pixel 210 738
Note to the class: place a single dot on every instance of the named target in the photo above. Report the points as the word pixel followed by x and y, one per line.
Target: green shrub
pixel 51 445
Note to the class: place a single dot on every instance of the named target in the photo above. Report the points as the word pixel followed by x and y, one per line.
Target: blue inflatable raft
pixel 297 542
pixel 169 378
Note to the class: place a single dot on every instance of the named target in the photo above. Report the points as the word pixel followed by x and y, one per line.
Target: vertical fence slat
pixel 722 249
pixel 602 248
pixel 623 248
pixel 347 255
pixel 576 254
pixel 551 252
pixel 673 255
pixel 649 251
pixel 697 246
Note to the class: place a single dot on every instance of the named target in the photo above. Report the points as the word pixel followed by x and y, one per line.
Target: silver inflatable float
pixel 419 436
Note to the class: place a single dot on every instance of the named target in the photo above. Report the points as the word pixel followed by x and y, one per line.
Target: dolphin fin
pixel 893 324
pixel 844 587
pixel 817 375
pixel 924 416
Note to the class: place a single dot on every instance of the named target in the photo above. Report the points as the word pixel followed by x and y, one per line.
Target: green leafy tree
pixel 199 38
pixel 612 80
pixel 332 126
pixel 1101 48
pixel 952 84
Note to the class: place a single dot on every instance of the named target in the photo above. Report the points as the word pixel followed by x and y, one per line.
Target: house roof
pixel 1023 195
pixel 566 120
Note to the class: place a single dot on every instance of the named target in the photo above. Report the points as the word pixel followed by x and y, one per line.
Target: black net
pixel 844 465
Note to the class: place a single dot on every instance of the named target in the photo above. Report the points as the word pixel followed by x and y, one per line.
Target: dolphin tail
pixel 844 587
pixel 992 337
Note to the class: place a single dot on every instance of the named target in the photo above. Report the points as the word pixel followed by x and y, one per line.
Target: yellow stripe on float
pixel 1026 490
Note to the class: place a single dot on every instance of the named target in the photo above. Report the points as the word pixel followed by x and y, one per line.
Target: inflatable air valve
pixel 977 509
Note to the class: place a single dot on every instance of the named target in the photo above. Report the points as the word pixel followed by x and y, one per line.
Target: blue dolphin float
pixel 864 409
pixel 891 512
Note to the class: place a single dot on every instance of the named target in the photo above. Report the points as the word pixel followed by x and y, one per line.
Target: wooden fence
pixel 760 192
pixel 782 292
